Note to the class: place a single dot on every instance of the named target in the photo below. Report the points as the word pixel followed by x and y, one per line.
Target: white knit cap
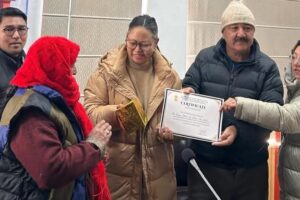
pixel 237 12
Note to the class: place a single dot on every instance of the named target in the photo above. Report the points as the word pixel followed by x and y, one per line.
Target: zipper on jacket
pixel 143 148
pixel 231 79
pixel 235 70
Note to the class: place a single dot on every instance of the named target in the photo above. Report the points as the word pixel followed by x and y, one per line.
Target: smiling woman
pixel 140 162
pixel 141 41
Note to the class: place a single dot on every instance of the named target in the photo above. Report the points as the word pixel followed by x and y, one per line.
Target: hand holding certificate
pixel 192 115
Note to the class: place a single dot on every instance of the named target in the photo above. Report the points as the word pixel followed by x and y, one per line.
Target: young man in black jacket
pixel 13 36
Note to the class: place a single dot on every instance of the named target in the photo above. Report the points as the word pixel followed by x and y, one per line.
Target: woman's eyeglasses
pixel 132 44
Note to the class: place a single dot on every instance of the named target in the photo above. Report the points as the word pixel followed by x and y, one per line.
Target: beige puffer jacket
pixel 287 120
pixel 137 158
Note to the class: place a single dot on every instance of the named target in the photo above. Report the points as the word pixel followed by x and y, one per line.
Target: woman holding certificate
pixel 283 118
pixel 128 87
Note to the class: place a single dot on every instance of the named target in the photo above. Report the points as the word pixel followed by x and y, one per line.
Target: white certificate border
pixel 194 94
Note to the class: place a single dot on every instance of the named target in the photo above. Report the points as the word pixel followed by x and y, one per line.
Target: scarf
pixel 48 62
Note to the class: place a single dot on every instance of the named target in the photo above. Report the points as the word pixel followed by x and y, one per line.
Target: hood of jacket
pixel 114 64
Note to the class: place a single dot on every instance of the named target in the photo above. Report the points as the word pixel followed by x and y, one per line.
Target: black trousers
pixel 229 184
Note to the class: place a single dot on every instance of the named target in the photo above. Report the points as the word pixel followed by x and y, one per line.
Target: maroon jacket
pixel 43 156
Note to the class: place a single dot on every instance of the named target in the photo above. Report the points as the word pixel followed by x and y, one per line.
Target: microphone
pixel 189 157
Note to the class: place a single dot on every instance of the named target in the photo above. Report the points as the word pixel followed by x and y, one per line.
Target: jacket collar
pixel 114 63
pixel 15 61
pixel 254 52
pixel 116 59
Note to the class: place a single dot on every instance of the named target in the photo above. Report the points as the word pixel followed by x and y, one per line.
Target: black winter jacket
pixel 214 74
pixel 8 69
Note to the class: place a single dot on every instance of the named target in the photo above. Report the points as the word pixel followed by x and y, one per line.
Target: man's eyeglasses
pixel 10 30
pixel 132 44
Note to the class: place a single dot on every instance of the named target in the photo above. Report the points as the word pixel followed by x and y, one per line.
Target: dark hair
pixel 12 12
pixel 295 47
pixel 146 21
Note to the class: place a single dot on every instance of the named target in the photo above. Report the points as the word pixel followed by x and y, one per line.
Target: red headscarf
pixel 48 62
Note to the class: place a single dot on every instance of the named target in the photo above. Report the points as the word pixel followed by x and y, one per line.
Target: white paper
pixel 192 115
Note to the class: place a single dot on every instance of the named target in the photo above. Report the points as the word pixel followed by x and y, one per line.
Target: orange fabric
pixel 274 145
pixel 48 62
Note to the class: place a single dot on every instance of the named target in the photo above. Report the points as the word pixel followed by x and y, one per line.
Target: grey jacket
pixel 285 119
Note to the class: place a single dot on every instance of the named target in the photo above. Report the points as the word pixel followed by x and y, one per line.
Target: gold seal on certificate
pixel 192 115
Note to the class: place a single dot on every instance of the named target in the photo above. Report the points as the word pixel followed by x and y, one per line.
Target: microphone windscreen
pixel 187 154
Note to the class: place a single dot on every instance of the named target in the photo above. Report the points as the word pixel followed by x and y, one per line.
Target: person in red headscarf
pixel 44 153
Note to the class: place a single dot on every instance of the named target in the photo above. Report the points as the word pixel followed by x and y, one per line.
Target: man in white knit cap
pixel 236 166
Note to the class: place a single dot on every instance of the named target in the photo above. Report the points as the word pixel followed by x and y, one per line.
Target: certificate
pixel 192 115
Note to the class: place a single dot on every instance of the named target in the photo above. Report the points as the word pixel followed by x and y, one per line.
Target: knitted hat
pixel 237 12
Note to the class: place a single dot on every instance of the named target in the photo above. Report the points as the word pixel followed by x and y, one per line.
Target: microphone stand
pixel 194 164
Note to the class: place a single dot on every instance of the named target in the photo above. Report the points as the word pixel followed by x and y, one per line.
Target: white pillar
pixel 171 17
pixel 34 11
pixel 144 6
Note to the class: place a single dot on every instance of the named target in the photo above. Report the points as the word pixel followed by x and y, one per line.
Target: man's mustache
pixel 241 39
